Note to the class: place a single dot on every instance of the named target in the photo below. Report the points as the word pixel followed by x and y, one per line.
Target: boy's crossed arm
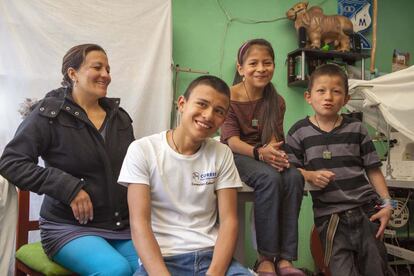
pixel 319 179
pixel 141 231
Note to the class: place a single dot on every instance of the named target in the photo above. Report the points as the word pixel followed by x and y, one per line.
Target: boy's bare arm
pixel 139 204
pixel 227 235
pixel 319 179
pixel 378 181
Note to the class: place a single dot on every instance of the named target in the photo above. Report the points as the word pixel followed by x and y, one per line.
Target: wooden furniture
pixel 24 226
pixel 317 253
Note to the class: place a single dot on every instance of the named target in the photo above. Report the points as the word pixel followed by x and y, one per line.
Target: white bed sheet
pixel 387 99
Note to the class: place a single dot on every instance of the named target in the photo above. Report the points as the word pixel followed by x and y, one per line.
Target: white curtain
pixel 8 218
pixel 387 99
pixel 137 35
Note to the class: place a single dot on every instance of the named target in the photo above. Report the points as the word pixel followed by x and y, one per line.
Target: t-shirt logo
pixel 200 179
pixel 196 176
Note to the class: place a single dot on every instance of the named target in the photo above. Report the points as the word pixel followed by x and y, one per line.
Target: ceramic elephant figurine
pixel 320 28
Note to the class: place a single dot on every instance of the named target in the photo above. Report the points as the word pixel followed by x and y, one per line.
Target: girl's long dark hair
pixel 270 96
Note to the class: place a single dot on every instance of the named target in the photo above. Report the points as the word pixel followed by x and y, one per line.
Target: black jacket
pixel 76 157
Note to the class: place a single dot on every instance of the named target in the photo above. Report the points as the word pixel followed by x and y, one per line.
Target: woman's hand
pixel 82 207
pixel 274 156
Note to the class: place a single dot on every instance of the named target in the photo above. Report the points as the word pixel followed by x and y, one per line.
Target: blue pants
pixel 355 249
pixel 93 255
pixel 195 264
pixel 277 200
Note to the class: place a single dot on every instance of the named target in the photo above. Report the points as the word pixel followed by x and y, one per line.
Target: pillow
pixel 33 256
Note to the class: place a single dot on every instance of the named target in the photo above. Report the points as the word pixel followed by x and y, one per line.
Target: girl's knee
pixel 269 184
pixel 294 177
pixel 273 178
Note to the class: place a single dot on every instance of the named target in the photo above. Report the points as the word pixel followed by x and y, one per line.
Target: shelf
pixel 319 54
pixel 298 83
pixel 302 61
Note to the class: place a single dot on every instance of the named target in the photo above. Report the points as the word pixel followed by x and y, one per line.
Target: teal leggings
pixel 93 255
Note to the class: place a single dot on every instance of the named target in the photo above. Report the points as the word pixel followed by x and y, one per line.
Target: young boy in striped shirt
pixel 335 154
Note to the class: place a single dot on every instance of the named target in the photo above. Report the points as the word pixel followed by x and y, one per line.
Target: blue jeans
pixel 277 200
pixel 93 255
pixel 195 264
pixel 355 249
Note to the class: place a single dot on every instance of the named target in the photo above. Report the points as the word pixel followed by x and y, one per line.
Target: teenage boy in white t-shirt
pixel 182 193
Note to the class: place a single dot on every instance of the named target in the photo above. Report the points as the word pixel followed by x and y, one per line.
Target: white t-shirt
pixel 183 198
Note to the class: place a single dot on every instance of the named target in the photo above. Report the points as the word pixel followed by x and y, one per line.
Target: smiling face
pixel 203 112
pixel 257 67
pixel 327 96
pixel 93 76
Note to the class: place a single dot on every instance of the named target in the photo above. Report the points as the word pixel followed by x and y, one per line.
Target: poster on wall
pixel 360 14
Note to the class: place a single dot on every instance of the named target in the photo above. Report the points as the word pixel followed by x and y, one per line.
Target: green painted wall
pixel 203 39
pixel 394 31
pixel 201 43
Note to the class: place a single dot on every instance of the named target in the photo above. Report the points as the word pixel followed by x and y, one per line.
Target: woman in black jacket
pixel 82 136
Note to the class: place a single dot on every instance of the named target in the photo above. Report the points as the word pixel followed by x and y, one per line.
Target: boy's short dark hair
pixel 329 70
pixel 212 81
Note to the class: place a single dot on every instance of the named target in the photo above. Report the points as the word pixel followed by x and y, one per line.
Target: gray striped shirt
pixel 352 153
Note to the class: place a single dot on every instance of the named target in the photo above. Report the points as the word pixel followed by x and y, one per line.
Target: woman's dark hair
pixel 331 70
pixel 212 81
pixel 270 96
pixel 74 58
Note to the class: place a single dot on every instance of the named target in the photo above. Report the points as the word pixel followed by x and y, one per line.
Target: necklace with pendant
pixel 254 121
pixel 326 154
pixel 175 145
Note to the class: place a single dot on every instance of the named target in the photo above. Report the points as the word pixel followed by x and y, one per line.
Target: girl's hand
pixel 383 216
pixel 320 179
pixel 274 156
pixel 82 207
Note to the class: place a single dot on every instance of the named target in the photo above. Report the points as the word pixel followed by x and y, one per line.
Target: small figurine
pixel 321 29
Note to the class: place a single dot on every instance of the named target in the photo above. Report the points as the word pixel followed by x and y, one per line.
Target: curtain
pixel 137 36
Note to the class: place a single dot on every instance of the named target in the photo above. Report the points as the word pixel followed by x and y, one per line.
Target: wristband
pixel 256 151
pixel 388 202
